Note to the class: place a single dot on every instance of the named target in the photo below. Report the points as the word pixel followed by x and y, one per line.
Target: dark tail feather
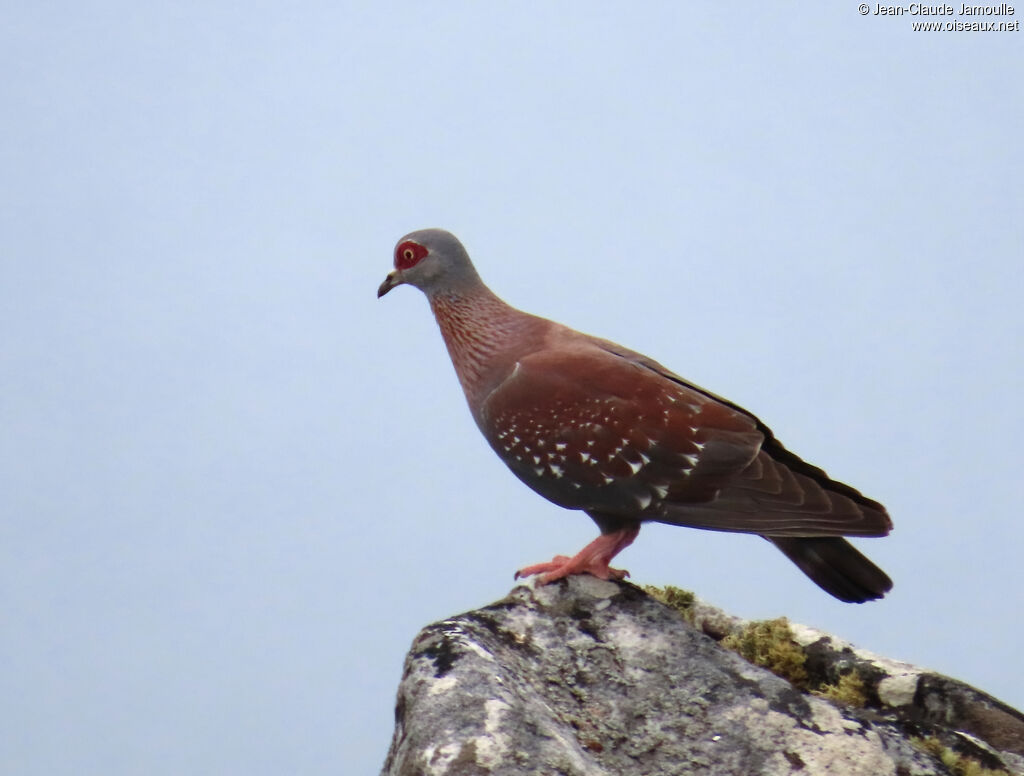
pixel 836 567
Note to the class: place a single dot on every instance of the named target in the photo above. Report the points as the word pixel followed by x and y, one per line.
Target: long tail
pixel 836 567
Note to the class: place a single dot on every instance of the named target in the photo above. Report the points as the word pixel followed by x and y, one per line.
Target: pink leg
pixel 592 559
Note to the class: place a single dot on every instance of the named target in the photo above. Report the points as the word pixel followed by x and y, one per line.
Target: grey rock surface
pixel 592 677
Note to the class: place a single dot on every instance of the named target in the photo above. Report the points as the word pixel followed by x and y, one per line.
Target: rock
pixel 591 677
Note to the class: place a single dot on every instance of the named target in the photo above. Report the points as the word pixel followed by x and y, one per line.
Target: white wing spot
pixel 643 499
pixel 560 446
pixel 635 467
pixel 539 471
pixel 556 470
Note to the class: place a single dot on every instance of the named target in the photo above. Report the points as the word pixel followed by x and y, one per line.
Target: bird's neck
pixel 480 330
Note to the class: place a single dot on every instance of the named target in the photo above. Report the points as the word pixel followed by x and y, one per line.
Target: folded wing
pixel 600 428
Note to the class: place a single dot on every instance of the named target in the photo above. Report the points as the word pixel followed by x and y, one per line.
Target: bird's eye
pixel 408 254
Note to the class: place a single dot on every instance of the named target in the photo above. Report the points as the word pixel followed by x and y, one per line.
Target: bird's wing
pixel 613 432
pixel 770 445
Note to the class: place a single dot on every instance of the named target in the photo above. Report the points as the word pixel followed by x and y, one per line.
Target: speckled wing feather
pixel 592 426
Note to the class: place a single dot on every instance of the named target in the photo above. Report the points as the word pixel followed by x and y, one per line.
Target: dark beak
pixel 390 282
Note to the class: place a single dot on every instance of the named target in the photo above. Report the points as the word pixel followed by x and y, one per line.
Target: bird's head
pixel 433 260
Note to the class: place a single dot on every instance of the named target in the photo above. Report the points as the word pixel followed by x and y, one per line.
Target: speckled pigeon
pixel 591 425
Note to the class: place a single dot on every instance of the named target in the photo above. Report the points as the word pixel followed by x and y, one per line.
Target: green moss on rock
pixel 850 690
pixel 677 598
pixel 770 644
pixel 958 764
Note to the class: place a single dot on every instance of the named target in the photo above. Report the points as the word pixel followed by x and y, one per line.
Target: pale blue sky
pixel 234 484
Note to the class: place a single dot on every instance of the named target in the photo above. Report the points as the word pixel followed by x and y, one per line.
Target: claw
pixel 592 559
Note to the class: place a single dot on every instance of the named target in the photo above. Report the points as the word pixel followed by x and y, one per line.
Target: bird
pixel 593 426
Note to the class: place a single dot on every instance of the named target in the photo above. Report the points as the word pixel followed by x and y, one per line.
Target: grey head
pixel 433 261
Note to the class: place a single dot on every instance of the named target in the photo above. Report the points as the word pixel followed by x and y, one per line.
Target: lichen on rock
pixel 591 677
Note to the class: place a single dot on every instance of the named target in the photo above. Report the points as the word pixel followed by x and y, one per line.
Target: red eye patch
pixel 408 254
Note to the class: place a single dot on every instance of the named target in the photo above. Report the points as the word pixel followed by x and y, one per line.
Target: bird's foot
pixel 562 566
pixel 592 559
